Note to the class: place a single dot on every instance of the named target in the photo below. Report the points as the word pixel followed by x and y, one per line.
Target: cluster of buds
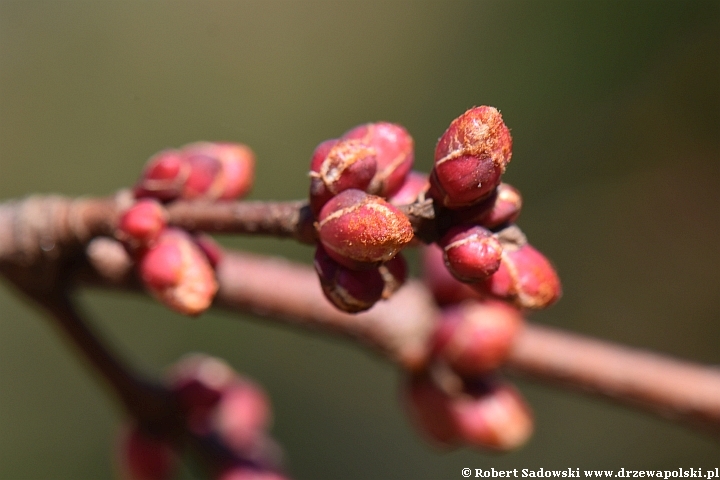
pixel 177 268
pixel 217 405
pixel 353 184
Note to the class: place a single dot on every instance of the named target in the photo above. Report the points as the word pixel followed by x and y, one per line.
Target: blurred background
pixel 614 108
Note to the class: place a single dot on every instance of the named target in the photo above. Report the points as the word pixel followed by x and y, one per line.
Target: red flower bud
pixel 444 287
pixel 337 166
pixel 415 185
pixel 212 250
pixel 221 170
pixel 394 147
pixel 500 208
pixel 141 224
pixel 394 273
pixel 349 290
pixel 356 227
pixel 525 276
pixel 143 457
pixel 475 338
pixel 241 415
pixel 163 177
pixel 471 253
pixel 470 157
pixel 249 473
pixel 431 410
pixel 178 273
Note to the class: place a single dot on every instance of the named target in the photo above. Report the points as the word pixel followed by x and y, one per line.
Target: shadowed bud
pixel 212 250
pixel 394 273
pixel 337 166
pixel 502 207
pixel 349 290
pixel 415 185
pixel 496 418
pixel 142 457
pixel 430 409
pixel 394 148
pixel 475 338
pixel 242 415
pixel 177 273
pixel 164 176
pixel 470 158
pixel 141 224
pixel 356 227
pixel 471 253
pixel 525 276
pixel 445 288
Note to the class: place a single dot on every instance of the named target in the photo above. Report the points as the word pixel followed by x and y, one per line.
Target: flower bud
pixel 394 148
pixel 141 224
pixel 143 457
pixel 500 208
pixel 249 473
pixel 241 415
pixel 177 273
pixel 470 158
pixel 444 287
pixel 349 290
pixel 355 227
pixel 212 250
pixel 219 170
pixel 430 409
pixel 337 166
pixel 163 177
pixel 415 185
pixel 475 338
pixel 471 253
pixel 394 273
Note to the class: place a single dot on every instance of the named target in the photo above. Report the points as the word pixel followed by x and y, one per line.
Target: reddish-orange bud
pixel 470 158
pixel 356 227
pixel 221 170
pixel 349 290
pixel 475 338
pixel 431 410
pixel 164 176
pixel 415 185
pixel 141 224
pixel 395 156
pixel 337 166
pixel 178 273
pixel 445 288
pixel 394 273
pixel 471 253
pixel 143 457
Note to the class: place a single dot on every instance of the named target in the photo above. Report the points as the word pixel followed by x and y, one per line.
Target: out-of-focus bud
pixel 431 410
pixel 349 290
pixel 177 273
pixel 497 418
pixel 394 273
pixel 141 224
pixel 444 287
pixel 357 228
pixel 470 158
pixel 525 276
pixel 143 457
pixel 415 185
pixel 163 177
pixel 242 415
pixel 501 208
pixel 337 166
pixel 475 338
pixel 218 170
pixel 212 250
pixel 395 156
pixel 249 473
pixel 471 253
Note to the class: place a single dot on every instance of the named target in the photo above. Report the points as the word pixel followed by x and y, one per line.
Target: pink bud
pixel 205 180
pixel 143 457
pixel 249 473
pixel 337 166
pixel 356 227
pixel 228 175
pixel 475 338
pixel 163 177
pixel 349 290
pixel 431 410
pixel 241 415
pixel 471 253
pixel 415 185
pixel 470 157
pixel 394 147
pixel 212 250
pixel 445 288
pixel 141 224
pixel 177 273
pixel 394 273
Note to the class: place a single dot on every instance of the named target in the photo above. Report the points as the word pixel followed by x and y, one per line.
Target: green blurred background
pixel 615 114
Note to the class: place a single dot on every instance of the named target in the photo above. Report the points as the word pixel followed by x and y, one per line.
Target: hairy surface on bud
pixel 496 419
pixel 356 227
pixel 395 155
pixel 470 158
pixel 414 187
pixel 394 273
pixel 337 166
pixel 445 288
pixel 141 224
pixel 177 273
pixel 142 457
pixel 220 170
pixel 475 338
pixel 163 177
pixel 431 411
pixel 241 415
pixel 471 253
pixel 349 290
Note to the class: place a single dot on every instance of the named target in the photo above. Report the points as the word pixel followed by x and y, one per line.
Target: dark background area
pixel 615 113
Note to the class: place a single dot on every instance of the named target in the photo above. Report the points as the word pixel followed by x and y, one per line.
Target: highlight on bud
pixel 414 187
pixel 356 228
pixel 394 148
pixel 470 158
pixel 143 457
pixel 339 165
pixel 349 290
pixel 474 338
pixel 177 273
pixel 471 252
pixel 141 224
pixel 445 288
